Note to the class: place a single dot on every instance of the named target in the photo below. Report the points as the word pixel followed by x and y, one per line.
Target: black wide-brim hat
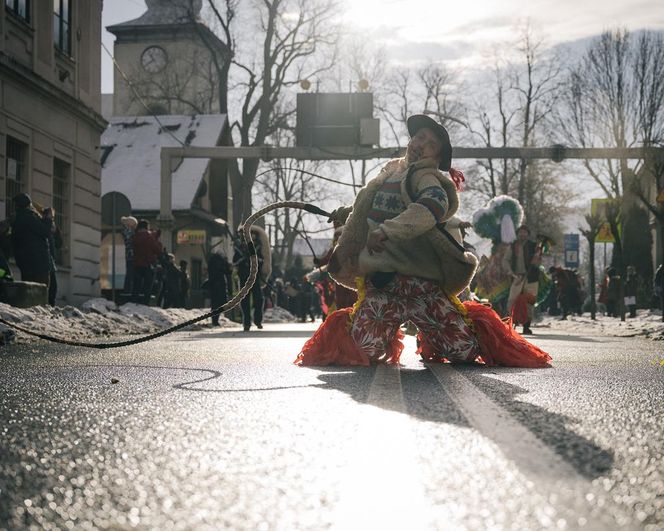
pixel 419 121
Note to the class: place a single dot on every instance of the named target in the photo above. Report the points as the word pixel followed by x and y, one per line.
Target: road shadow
pixel 553 429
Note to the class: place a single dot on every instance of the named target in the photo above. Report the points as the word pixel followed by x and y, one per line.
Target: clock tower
pixel 167 55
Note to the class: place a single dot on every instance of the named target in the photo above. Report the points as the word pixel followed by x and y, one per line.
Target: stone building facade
pixel 50 126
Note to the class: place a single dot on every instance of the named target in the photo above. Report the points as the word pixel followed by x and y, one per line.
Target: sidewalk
pixel 647 323
pixel 100 319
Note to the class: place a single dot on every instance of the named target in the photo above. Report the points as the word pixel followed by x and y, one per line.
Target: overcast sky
pixel 459 31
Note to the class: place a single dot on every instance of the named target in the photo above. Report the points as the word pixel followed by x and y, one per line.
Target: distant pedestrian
pixel 241 259
pixel 613 293
pixel 219 275
pixel 5 251
pixel 631 281
pixel 54 244
pixel 305 301
pixel 603 298
pixel 184 284
pixel 30 234
pixel 129 224
pixel 658 286
pixel 172 283
pixel 146 253
pixel 568 290
pixel 524 260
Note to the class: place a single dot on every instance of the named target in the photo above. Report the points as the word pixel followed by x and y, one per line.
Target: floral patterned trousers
pixel 376 322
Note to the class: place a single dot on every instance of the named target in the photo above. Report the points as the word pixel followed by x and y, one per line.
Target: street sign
pixel 191 237
pixel 571 248
pixel 598 206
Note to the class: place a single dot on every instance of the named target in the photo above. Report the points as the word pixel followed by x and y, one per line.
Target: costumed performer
pixel 497 221
pixel 395 251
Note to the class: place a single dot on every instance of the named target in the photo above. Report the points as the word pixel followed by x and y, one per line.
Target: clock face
pixel 154 59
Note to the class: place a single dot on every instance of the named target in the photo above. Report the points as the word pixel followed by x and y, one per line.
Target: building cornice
pixel 19 72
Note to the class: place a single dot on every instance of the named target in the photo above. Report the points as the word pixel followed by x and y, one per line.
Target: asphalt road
pixel 218 430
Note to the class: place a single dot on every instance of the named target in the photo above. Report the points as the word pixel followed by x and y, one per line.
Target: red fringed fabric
pixel 332 344
pixel 394 349
pixel 500 343
pixel 520 308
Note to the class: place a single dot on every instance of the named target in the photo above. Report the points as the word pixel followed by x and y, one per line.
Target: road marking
pixel 384 489
pixel 531 456
pixel 558 481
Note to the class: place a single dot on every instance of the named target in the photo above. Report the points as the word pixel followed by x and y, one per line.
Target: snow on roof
pixel 131 162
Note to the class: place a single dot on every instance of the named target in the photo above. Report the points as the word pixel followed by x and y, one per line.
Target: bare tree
pixel 615 98
pixel 535 83
pixel 548 203
pixel 594 223
pixel 441 94
pixel 288 180
pixel 514 109
pixel 293 31
pixel 289 42
pixel 494 128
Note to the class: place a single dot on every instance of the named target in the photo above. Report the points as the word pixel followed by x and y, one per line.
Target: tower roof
pixel 164 13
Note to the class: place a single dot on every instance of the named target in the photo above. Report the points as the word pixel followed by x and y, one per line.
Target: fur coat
pixel 416 244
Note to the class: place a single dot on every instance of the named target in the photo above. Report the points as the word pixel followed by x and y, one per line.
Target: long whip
pixel 235 301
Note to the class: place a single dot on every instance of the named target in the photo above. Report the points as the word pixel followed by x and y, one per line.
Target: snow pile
pixel 647 323
pixel 278 314
pixel 98 319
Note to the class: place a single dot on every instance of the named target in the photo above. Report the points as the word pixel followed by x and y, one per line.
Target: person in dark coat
pixel 30 234
pixel 242 261
pixel 658 287
pixel 129 224
pixel 631 282
pixel 146 254
pixel 568 290
pixel 219 272
pixel 613 293
pixel 184 284
pixel 172 283
pixel 5 251
pixel 54 243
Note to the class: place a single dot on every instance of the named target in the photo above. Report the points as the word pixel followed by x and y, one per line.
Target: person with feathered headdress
pixel 497 221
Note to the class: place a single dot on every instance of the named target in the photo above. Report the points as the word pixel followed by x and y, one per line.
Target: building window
pixel 19 8
pixel 17 157
pixel 61 180
pixel 61 25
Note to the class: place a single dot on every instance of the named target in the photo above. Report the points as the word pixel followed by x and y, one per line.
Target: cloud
pixel 471 27
pixel 402 51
